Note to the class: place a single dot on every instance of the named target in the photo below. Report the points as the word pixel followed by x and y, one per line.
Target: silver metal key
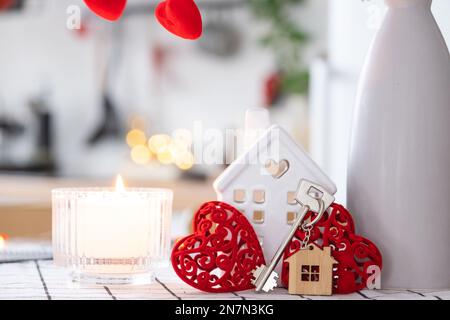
pixel 312 197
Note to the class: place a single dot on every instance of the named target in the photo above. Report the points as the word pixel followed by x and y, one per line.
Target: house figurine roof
pixel 322 254
pixel 274 137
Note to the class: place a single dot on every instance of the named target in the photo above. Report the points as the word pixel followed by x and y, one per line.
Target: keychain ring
pixel 319 214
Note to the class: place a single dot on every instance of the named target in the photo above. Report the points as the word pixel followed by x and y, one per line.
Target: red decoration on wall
pixel 221 253
pixel 108 9
pixel 180 17
pixel 354 253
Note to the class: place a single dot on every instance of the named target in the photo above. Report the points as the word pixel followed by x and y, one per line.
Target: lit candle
pixel 2 241
pixel 111 235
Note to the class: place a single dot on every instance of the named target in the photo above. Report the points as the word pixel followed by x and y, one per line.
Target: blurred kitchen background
pixel 78 106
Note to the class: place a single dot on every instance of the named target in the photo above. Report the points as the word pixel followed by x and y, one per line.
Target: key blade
pixel 271 283
pixel 308 192
pixel 257 273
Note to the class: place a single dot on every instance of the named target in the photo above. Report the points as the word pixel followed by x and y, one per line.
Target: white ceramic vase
pixel 399 164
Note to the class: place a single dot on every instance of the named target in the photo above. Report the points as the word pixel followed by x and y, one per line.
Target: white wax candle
pixel 115 226
pixel 111 233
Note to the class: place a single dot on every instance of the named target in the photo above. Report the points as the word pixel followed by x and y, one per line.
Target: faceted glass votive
pixel 111 237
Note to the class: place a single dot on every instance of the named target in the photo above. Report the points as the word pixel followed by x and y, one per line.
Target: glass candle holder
pixel 108 236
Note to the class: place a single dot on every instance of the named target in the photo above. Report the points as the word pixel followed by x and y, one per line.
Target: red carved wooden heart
pixel 108 9
pixel 221 253
pixel 354 253
pixel 180 17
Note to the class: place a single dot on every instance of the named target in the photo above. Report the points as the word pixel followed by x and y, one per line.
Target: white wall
pixel 37 51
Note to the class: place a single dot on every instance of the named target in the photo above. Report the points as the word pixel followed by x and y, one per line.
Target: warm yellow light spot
pixel 120 185
pixel 136 138
pixel 140 154
pixel 185 161
pixel 158 143
pixel 2 242
pixel 177 148
pixel 183 136
pixel 165 156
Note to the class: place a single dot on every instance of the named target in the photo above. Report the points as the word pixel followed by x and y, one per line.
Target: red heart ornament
pixel 108 9
pixel 180 17
pixel 355 254
pixel 221 253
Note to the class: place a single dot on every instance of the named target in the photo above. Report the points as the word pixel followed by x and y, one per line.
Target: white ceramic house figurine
pixel 261 183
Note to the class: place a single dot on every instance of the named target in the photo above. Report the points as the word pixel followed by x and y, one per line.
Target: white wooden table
pixel 39 278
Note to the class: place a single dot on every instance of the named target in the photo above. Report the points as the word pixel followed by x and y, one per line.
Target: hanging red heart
pixel 5 4
pixel 108 9
pixel 355 254
pixel 180 17
pixel 221 253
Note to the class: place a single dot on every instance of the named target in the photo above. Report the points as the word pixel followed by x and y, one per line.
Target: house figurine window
pixel 310 273
pixel 259 196
pixel 291 197
pixel 258 216
pixel 290 217
pixel 239 195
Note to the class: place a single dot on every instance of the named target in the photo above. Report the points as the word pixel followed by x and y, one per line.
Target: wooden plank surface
pixel 28 190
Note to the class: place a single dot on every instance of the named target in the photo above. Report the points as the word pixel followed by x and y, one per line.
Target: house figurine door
pixel 311 271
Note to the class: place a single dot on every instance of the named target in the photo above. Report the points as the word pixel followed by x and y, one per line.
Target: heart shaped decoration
pixel 355 254
pixel 221 253
pixel 108 9
pixel 180 17
pixel 277 169
pixel 5 4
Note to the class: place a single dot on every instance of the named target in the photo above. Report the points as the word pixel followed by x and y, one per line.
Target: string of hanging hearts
pixel 180 17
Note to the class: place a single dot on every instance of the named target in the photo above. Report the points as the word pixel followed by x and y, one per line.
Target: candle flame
pixel 2 241
pixel 120 186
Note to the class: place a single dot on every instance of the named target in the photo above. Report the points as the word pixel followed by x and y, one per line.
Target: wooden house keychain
pixel 312 197
pixel 311 268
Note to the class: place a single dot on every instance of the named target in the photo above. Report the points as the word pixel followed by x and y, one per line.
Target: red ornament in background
pixel 354 253
pixel 221 253
pixel 180 17
pixel 272 88
pixel 108 9
pixel 5 4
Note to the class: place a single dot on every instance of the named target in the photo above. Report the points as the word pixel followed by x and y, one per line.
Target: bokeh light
pixel 136 137
pixel 141 154
pixel 2 241
pixel 159 143
pixel 165 156
pixel 185 161
pixel 183 136
pixel 177 148
pixel 162 147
